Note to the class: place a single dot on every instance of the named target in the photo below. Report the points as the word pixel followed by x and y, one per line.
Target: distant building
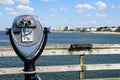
pixel 113 28
pixel 83 29
pixel 64 28
pixel 77 29
pixel 90 29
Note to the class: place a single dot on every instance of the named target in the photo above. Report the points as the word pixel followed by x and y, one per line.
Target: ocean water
pixel 83 38
pixel 72 38
pixel 66 38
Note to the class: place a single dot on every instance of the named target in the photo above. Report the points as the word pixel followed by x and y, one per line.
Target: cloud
pixel 108 22
pixel 53 10
pixel 14 13
pixel 101 5
pixel 100 15
pixel 53 15
pixel 64 9
pixel 65 20
pixel 6 2
pixel 82 7
pixel 24 1
pixel 1 14
pixel 119 6
pixel 93 22
pixel 25 8
pixel 88 15
pixel 11 11
pixel 49 0
pixel 113 6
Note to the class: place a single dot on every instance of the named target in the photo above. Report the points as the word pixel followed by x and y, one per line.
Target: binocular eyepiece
pixel 23 24
pixel 26 21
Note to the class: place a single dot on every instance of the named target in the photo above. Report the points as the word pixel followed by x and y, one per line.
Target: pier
pixel 7 55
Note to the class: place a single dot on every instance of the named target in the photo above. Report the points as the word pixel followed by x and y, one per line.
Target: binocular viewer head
pixel 27 30
pixel 27 36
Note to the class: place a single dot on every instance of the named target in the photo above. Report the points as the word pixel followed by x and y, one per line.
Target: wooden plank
pixel 66 52
pixel 104 79
pixel 106 46
pixel 41 69
pixel 62 68
pixel 67 46
pixel 102 66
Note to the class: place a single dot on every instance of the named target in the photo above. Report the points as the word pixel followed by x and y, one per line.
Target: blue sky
pixel 56 13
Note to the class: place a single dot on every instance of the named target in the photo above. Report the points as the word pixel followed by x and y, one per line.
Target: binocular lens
pixel 29 22
pixel 22 23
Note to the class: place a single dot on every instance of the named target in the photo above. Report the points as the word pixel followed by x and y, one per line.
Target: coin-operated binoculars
pixel 28 39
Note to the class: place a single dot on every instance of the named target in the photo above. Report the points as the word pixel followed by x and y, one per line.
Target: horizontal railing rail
pixel 75 49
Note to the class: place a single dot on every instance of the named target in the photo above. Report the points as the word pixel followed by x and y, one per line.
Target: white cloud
pixel 65 20
pixel 1 14
pixel 93 22
pixel 100 15
pixel 49 0
pixel 64 9
pixel 14 13
pixel 11 11
pixel 113 6
pixel 6 2
pixel 108 22
pixel 53 10
pixel 82 22
pixel 119 7
pixel 25 8
pixel 24 1
pixel 88 15
pixel 101 5
pixel 82 7
pixel 53 15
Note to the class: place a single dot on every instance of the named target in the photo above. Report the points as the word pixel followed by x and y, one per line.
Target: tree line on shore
pixel 111 29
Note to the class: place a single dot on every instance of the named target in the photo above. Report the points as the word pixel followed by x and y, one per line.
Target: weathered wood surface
pixel 67 46
pixel 64 50
pixel 62 68
pixel 105 79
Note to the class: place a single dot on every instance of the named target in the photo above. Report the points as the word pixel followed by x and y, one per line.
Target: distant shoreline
pixel 87 32
pixel 104 32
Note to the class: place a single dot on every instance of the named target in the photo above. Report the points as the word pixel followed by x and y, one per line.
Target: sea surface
pixel 72 38
pixel 67 38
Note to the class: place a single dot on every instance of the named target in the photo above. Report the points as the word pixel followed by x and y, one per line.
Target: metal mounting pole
pixel 29 71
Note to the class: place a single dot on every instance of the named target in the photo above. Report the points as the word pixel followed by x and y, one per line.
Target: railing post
pixel 83 67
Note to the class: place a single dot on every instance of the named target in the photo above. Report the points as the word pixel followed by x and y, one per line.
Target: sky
pixel 56 13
